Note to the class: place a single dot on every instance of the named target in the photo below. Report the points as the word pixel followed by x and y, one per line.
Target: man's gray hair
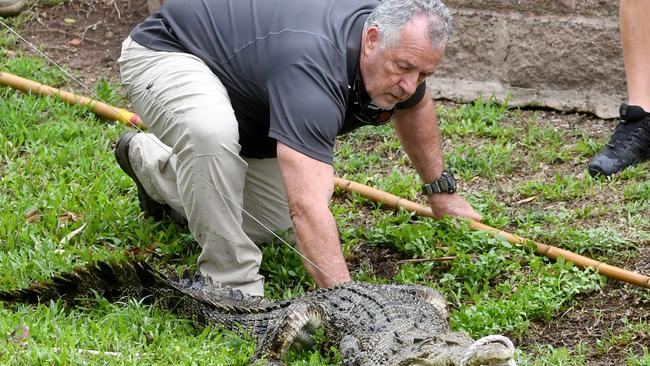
pixel 390 16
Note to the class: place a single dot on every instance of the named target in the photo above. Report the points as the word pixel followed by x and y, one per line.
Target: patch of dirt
pixel 598 319
pixel 380 261
pixel 86 36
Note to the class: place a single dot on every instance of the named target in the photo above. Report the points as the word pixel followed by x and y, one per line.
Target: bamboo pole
pixel 549 251
pixel 101 109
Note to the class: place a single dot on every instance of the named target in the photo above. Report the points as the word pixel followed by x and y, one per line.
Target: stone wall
pixel 562 54
pixel 154 5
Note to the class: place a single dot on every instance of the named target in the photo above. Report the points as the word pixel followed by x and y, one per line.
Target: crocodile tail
pixel 192 297
pixel 112 281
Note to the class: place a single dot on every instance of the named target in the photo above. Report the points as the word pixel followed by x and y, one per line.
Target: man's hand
pixel 451 204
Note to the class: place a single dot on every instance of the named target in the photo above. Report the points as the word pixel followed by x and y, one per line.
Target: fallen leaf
pixel 69 217
pixel 75 42
pixel 32 216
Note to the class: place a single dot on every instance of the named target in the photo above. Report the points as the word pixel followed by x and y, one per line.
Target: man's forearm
pixel 309 185
pixel 417 129
pixel 318 240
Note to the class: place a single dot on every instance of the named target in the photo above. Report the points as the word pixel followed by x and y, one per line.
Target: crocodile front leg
pixel 351 353
pixel 298 317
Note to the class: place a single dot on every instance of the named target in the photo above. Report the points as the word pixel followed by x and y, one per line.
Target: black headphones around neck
pixel 364 109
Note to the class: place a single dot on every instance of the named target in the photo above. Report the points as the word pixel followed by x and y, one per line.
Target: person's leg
pixel 630 143
pixel 635 38
pixel 193 165
pixel 265 200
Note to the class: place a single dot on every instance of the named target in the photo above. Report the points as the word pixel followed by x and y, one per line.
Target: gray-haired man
pixel 244 100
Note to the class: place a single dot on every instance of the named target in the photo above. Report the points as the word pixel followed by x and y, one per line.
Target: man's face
pixel 391 75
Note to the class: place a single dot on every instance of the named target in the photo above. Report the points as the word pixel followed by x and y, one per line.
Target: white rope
pixel 225 197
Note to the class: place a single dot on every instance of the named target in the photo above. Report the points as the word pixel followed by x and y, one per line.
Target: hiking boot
pixel 11 7
pixel 629 145
pixel 149 206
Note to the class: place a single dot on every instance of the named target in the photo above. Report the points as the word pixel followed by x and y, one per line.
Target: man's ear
pixel 371 37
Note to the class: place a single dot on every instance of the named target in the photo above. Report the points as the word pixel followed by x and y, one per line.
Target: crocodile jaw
pixel 458 349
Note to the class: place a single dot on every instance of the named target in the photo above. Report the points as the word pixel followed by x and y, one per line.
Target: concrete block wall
pixel 562 54
pixel 154 5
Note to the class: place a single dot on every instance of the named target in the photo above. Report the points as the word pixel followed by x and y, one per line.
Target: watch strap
pixel 445 184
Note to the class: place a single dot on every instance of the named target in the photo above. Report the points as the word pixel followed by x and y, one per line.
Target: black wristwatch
pixel 445 184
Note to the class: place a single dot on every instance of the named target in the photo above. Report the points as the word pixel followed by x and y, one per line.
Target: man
pixel 630 143
pixel 244 100
pixel 11 7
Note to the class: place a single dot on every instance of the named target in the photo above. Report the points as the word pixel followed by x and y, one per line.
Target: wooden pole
pixel 549 251
pixel 101 109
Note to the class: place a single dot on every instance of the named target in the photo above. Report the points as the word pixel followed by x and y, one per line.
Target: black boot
pixel 149 206
pixel 629 145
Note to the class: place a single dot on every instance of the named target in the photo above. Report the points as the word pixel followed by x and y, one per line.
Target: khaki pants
pixel 190 160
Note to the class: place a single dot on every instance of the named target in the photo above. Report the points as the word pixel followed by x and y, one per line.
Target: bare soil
pixel 86 36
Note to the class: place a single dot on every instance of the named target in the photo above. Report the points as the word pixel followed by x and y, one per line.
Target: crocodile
pixel 373 325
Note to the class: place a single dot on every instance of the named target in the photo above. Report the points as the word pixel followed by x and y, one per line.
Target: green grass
pixel 132 333
pixel 56 162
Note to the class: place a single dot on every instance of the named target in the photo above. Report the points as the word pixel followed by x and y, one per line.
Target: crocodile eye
pixel 418 340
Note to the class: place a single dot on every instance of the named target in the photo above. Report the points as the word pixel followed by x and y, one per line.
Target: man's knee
pixel 209 138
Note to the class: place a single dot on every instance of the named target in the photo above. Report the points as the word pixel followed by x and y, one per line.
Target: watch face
pixel 451 181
